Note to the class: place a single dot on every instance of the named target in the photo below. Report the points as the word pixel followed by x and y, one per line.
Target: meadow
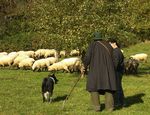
pixel 20 91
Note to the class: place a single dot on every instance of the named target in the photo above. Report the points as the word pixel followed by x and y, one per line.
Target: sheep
pixel 3 53
pixel 50 52
pixel 26 63
pixel 21 52
pixel 75 53
pixel 79 67
pixel 18 59
pixel 40 53
pixel 13 54
pixel 140 57
pixel 30 53
pixel 58 66
pixel 62 53
pixel 40 64
pixel 65 64
pixel 6 60
pixel 70 61
pixel 52 60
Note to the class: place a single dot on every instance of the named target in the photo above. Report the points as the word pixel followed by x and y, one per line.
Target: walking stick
pixel 70 92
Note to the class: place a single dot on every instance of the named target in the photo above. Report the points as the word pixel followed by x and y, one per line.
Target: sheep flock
pixel 53 60
pixel 43 60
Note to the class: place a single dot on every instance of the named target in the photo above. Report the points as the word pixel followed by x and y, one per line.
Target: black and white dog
pixel 48 87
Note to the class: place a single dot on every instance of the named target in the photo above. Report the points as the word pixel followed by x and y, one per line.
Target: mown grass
pixel 20 92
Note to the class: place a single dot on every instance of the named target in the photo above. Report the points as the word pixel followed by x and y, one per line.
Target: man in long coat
pixel 101 76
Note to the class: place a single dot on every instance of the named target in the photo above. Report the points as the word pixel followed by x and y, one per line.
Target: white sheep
pixel 50 53
pixel 6 60
pixel 58 66
pixel 13 54
pixel 21 52
pixel 52 60
pixel 40 53
pixel 79 67
pixel 40 64
pixel 26 63
pixel 64 64
pixel 140 57
pixel 3 53
pixel 30 53
pixel 75 52
pixel 62 53
pixel 18 59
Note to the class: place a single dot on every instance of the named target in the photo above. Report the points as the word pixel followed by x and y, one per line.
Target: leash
pixel 70 92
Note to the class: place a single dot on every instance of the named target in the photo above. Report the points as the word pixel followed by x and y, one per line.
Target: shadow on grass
pixel 131 100
pixel 140 73
pixel 60 98
pixel 144 71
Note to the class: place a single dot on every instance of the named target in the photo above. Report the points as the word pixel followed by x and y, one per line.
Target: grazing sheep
pixel 13 54
pixel 6 61
pixel 21 52
pixel 52 60
pixel 62 53
pixel 75 53
pixel 3 53
pixel 40 64
pixel 26 63
pixel 18 59
pixel 40 53
pixel 140 57
pixel 30 53
pixel 44 53
pixel 58 66
pixel 79 67
pixel 65 64
pixel 50 53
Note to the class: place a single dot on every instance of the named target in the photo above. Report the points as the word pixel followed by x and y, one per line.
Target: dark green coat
pixel 101 75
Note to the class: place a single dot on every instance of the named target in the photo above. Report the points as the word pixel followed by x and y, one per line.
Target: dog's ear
pixel 53 74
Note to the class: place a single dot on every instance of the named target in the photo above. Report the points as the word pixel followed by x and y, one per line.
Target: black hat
pixel 97 36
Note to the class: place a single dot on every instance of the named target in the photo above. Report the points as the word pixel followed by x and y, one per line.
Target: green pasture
pixel 20 91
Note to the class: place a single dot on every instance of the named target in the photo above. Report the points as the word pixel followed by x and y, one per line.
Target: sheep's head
pixel 50 68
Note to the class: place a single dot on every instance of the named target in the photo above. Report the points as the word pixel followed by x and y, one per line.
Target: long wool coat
pixel 101 75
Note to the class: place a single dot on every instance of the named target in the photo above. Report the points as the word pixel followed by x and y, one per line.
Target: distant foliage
pixel 69 24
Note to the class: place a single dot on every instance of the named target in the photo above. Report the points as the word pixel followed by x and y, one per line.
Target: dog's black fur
pixel 48 86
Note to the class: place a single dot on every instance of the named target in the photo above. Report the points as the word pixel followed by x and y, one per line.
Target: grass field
pixel 20 92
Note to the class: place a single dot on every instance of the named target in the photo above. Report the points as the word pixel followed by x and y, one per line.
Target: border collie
pixel 48 87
